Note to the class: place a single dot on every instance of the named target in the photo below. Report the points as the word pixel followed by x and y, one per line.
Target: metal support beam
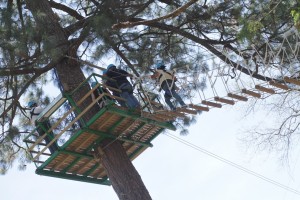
pixel 72 177
pixel 77 154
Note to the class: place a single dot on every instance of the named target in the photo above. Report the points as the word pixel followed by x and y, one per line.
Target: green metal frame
pixel 72 177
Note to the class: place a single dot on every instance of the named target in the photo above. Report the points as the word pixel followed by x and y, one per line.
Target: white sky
pixel 172 170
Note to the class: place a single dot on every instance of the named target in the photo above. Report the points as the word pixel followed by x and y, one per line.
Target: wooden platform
pixel 75 158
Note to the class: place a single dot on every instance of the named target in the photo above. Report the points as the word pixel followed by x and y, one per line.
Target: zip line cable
pixel 193 146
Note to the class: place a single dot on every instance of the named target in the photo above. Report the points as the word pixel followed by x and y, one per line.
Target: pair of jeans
pixel 122 103
pixel 127 94
pixel 49 137
pixel 170 92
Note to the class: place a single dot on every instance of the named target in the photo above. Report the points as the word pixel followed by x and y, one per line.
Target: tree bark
pixel 124 178
pixel 126 181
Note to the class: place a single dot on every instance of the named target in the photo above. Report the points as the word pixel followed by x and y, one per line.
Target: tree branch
pixel 66 9
pixel 76 26
pixel 145 22
pixel 117 50
pixel 208 44
pixel 18 71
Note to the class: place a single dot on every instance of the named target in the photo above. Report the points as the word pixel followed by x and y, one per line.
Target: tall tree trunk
pixel 124 178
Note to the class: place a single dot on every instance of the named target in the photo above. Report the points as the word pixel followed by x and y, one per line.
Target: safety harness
pixel 164 76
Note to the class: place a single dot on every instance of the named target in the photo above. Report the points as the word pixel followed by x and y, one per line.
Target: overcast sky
pixel 173 170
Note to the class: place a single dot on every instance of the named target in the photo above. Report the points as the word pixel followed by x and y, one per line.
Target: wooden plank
pixel 223 100
pixel 86 168
pixel 102 174
pixel 162 116
pixel 166 114
pixel 63 160
pixel 264 89
pixel 46 154
pixel 149 134
pixel 279 85
pixel 292 80
pixel 153 103
pixel 170 113
pixel 81 167
pixel 104 122
pixel 32 142
pixel 201 108
pixel 114 97
pixel 111 88
pixel 209 103
pixel 251 93
pixel 185 110
pixel 154 117
pixel 126 128
pixel 238 97
pixel 173 114
pixel 87 140
pixel 49 109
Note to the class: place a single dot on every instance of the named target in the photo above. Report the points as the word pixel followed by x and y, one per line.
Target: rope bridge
pixel 271 69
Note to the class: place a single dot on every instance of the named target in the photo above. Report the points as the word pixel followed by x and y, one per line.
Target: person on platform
pixel 166 80
pixel 43 127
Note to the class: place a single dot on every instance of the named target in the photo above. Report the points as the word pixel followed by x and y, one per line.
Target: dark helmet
pixel 160 65
pixel 31 104
pixel 110 66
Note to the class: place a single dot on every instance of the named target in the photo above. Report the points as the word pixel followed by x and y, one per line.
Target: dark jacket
pixel 118 75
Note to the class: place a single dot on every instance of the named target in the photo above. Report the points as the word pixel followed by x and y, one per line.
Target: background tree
pixel 45 40
pixel 296 15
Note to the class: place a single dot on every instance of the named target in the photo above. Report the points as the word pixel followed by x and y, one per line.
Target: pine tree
pixel 42 38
